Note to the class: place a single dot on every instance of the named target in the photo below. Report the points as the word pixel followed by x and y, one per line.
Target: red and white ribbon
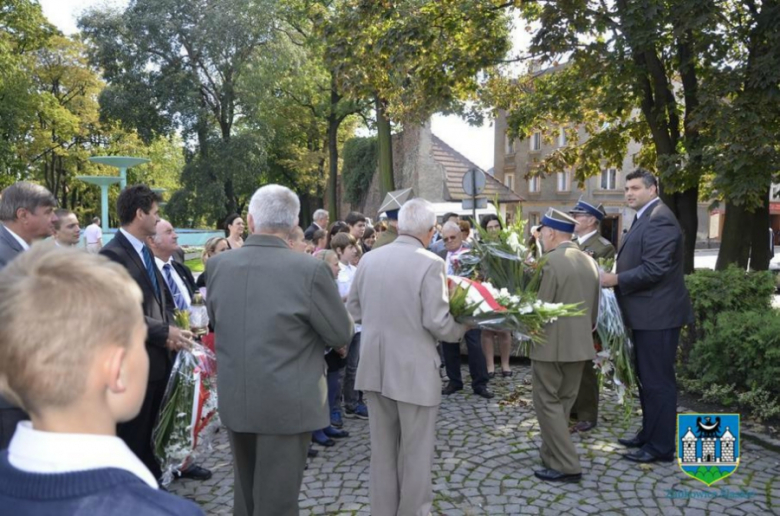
pixel 477 293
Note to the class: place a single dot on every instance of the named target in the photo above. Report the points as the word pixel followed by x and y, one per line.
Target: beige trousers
pixel 555 386
pixel 402 447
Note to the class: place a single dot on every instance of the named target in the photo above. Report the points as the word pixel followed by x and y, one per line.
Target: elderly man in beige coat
pixel 569 276
pixel 275 312
pixel 400 296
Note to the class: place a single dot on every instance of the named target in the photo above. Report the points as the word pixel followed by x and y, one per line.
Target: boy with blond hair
pixel 72 356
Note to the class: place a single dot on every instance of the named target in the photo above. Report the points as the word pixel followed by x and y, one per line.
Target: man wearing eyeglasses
pixel 454 247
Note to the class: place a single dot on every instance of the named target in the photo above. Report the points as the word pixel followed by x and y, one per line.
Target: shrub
pixel 715 292
pixel 743 349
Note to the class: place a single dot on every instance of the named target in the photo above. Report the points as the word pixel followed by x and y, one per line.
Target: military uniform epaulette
pixel 604 241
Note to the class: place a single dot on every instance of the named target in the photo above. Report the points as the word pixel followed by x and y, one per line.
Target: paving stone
pixel 485 456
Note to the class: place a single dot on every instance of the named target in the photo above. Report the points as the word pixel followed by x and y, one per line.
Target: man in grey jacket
pixel 399 294
pixel 275 312
pixel 27 215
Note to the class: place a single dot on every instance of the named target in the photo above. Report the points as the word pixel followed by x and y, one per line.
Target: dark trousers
pixel 656 351
pixel 352 397
pixel 587 405
pixel 334 388
pixel 9 418
pixel 268 472
pixel 137 433
pixel 477 362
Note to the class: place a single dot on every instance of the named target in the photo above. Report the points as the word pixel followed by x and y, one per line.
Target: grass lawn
pixel 195 265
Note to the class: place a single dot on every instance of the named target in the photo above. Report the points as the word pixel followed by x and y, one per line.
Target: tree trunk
pixel 745 240
pixel 761 244
pixel 385 139
pixel 333 166
pixel 685 208
pixel 735 241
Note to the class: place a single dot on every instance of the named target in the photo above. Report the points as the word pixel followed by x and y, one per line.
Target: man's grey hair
pixel 320 214
pixel 450 225
pixel 416 217
pixel 24 195
pixel 274 209
pixel 155 238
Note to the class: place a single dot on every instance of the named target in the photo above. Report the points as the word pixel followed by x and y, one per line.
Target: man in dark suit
pixel 181 288
pixel 321 219
pixel 137 209
pixel 651 291
pixel 27 215
pixel 454 247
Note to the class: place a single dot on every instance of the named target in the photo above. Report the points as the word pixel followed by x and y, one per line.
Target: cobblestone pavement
pixel 486 452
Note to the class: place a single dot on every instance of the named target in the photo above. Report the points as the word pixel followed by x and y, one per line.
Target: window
pixel 609 179
pixel 563 181
pixel 509 181
pixel 534 184
pixel 562 137
pixel 533 219
pixel 536 141
pixel 510 145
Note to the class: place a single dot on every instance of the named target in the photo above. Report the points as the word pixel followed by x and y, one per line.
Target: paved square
pixel 486 452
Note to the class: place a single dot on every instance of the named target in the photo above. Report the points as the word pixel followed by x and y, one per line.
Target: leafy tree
pixel 310 81
pixel 23 31
pixel 177 64
pixel 678 76
pixel 414 58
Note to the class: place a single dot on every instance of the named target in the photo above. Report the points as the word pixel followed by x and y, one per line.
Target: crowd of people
pixel 310 326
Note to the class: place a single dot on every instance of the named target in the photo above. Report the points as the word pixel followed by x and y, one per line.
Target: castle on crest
pixel 708 450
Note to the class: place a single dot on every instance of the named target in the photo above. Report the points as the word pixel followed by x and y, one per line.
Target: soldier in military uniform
pixel 568 276
pixel 391 206
pixel 588 217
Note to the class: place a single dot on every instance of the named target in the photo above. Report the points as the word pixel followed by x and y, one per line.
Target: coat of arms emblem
pixel 708 445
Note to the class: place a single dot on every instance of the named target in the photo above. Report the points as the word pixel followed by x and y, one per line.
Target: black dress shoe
pixel 582 427
pixel 633 442
pixel 484 392
pixel 646 457
pixel 550 475
pixel 196 472
pixel 451 388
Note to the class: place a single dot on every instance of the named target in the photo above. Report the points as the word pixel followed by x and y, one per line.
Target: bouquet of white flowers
pixel 188 415
pixel 614 351
pixel 480 304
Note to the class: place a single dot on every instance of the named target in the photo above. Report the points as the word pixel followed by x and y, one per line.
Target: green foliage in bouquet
pixel 182 319
pixel 504 258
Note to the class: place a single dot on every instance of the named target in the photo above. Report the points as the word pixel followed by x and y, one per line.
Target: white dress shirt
pixel 644 208
pixel 176 278
pixel 584 238
pixel 137 244
pixel 19 239
pixel 344 281
pixel 35 451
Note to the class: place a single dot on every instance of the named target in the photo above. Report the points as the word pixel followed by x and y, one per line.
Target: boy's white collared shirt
pixel 35 451
pixel 344 282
